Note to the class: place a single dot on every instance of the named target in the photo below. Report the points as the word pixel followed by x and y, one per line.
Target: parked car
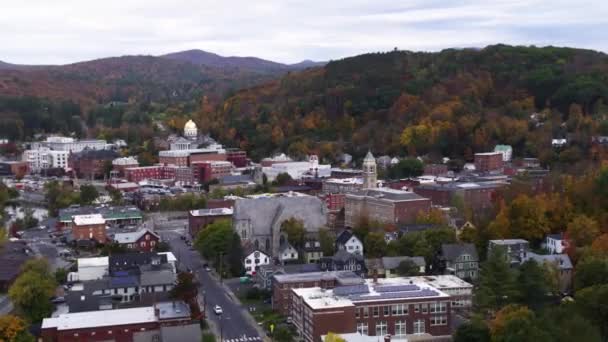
pixel 218 310
pixel 58 300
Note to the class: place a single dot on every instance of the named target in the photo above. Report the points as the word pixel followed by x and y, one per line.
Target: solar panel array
pixel 396 288
pixel 351 290
pixel 123 281
pixel 399 295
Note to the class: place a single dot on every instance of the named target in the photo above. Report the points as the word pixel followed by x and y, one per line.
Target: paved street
pixel 235 324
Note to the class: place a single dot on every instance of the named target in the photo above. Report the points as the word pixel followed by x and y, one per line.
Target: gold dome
pixel 190 125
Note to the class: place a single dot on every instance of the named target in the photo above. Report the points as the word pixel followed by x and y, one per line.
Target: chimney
pixel 387 338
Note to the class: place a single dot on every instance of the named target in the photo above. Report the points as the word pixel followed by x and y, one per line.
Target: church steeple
pixel 369 171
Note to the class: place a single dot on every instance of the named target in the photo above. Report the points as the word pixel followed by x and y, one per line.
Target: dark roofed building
pixel 90 163
pixel 461 260
pixel 12 256
pixel 344 261
pixel 132 261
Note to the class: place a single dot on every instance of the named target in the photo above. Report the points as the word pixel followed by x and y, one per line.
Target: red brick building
pixel 174 157
pixel 206 171
pixel 89 227
pixel 120 164
pixel 384 205
pixel 435 169
pixel 476 196
pixel 397 306
pixel 489 161
pixel 91 163
pixel 120 325
pixel 138 174
pixel 198 157
pixel 143 240
pixel 283 283
pixel 199 219
pixel 237 157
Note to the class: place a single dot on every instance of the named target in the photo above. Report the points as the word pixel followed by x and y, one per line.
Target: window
pixel 399 309
pixel 248 261
pixel 365 312
pixel 416 308
pixel 419 326
pixel 439 320
pixel 357 314
pixel 399 328
pixel 362 328
pixel 387 311
pixel 438 307
pixel 425 308
pixel 376 311
pixel 381 328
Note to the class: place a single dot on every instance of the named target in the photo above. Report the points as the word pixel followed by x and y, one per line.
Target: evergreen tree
pixel 496 283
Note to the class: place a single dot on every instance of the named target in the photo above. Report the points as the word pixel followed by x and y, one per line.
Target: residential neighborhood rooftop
pixel 212 212
pixel 102 318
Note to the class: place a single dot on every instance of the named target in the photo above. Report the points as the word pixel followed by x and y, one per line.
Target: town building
pixel 342 185
pixel 68 144
pixel 143 240
pixel 435 169
pixel 120 164
pixel 210 170
pixel 13 255
pixel 347 241
pixel 115 325
pixel 44 158
pixel 265 273
pixel 254 259
pixel 561 262
pixel 258 218
pixel 113 215
pixel 201 218
pixel 477 196
pixel 397 307
pixel 506 150
pixel 90 269
pixel 234 182
pixel 461 260
pixel 344 261
pixel 190 130
pixel 298 170
pixel 370 175
pixel 312 251
pixel 237 157
pixel 287 253
pixel 277 159
pixel 14 168
pixel 388 267
pixel 489 161
pixel 89 227
pixel 515 250
pixel 141 173
pixel 283 283
pixel 91 164
pixel 345 173
pixel 556 243
pixel 384 205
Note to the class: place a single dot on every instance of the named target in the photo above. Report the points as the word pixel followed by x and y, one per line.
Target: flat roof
pixel 80 220
pixel 93 262
pixel 101 318
pixel 488 153
pixel 312 276
pixel 508 241
pixel 212 212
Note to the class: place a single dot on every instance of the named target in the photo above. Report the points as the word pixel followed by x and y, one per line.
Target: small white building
pixel 506 150
pixel 347 241
pixel 254 259
pixel 287 253
pixel 90 269
pixel 559 142
pixel 44 158
pixel 555 243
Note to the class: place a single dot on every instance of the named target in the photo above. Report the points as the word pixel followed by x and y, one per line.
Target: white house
pixel 556 243
pixel 558 142
pixel 349 242
pixel 253 260
pixel 287 253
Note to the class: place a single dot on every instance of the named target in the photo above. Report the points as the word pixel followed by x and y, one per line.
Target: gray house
pixel 461 260
pixel 515 249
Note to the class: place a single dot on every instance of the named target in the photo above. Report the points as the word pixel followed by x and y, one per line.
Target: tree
pixel 235 256
pixel 295 231
pixel 14 329
pixel 375 245
pixel 332 337
pixel 282 334
pixel 564 323
pixel 496 283
pixel 591 271
pixel 406 168
pixel 61 275
pixel 282 179
pixel 433 216
pixel 220 243
pixel 532 285
pixel 592 302
pixel 186 288
pixel 88 194
pixel 582 230
pixel 408 268
pixel 326 240
pixel 527 218
pixel 473 331
pixel 32 290
pixel 600 245
pixel 116 196
pixel 516 323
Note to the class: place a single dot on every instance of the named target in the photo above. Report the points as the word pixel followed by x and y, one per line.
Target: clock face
pixel 256 254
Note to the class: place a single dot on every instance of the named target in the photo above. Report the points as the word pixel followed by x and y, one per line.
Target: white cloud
pixel 64 31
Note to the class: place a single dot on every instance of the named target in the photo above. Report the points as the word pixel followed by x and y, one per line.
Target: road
pixel 235 324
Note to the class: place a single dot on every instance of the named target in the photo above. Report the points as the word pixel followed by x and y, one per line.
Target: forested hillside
pixel 451 103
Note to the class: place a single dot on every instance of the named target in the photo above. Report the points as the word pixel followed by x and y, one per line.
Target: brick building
pixel 91 163
pixel 174 157
pixel 283 283
pixel 237 157
pixel 397 306
pixel 435 169
pixel 120 164
pixel 489 161
pixel 199 219
pixel 14 168
pixel 476 196
pixel 342 185
pixel 209 170
pixel 89 227
pixel 143 240
pixel 121 325
pixel 384 205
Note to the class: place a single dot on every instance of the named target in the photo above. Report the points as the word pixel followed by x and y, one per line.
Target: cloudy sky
pixel 64 31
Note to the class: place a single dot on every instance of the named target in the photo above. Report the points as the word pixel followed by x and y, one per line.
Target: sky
pixel 288 31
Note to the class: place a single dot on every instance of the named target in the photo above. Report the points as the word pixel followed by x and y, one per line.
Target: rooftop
pixel 212 212
pixel 103 318
pixel 352 180
pixel 81 220
pixel 488 153
pixel 132 236
pixel 389 194
pixel 277 195
pixel 93 262
pixel 506 242
pixel 109 213
pixel 342 276
pixel 172 310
